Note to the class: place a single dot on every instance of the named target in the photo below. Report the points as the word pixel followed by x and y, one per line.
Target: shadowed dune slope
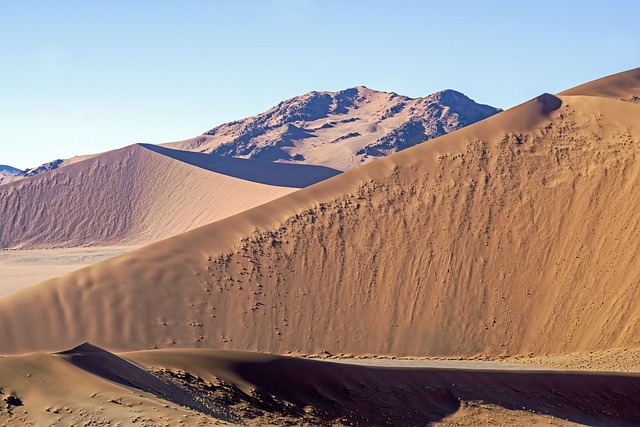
pixel 515 235
pixel 360 395
pixel 87 385
pixel 130 196
pixel 270 173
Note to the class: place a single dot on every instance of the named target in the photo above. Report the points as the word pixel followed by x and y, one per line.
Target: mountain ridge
pixel 287 125
pixel 6 171
pixel 342 129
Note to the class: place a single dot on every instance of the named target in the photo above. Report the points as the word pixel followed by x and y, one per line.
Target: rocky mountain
pixel 8 171
pixel 77 201
pixel 45 167
pixel 341 129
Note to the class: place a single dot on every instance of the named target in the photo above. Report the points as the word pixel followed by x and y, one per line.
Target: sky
pixel 81 77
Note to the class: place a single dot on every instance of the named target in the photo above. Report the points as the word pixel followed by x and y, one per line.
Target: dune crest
pixel 624 86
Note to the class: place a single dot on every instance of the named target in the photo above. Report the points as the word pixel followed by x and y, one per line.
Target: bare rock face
pixel 341 129
pixel 45 167
pixel 429 117
pixel 54 164
pixel 8 171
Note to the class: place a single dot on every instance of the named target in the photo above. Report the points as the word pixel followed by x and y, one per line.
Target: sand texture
pixel 136 195
pixel 22 268
pixel 89 386
pixel 515 235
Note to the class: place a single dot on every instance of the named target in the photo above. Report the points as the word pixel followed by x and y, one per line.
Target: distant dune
pixel 514 235
pixel 138 194
pixel 341 130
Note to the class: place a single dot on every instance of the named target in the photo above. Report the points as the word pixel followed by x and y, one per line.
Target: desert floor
pixel 22 268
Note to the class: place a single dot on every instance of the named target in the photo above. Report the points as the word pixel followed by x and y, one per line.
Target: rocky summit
pixel 341 129
pixel 8 171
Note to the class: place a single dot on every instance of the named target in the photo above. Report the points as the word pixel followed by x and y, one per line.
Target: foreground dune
pixel 87 385
pixel 515 235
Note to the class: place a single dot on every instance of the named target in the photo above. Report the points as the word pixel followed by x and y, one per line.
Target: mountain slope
pixel 45 167
pixel 342 129
pixel 514 235
pixel 8 171
pixel 137 194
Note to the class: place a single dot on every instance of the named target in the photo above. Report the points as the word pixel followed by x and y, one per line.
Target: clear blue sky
pixel 79 77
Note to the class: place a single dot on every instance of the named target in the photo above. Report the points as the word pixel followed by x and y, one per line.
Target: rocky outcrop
pixel 8 171
pixel 340 129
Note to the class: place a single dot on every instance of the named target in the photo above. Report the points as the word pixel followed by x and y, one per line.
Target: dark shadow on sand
pixel 279 174
pixel 415 397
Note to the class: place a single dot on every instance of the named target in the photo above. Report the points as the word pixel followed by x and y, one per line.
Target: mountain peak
pixel 342 129
pixel 8 171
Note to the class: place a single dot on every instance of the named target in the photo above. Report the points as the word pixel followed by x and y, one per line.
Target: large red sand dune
pixel 516 235
pixel 138 194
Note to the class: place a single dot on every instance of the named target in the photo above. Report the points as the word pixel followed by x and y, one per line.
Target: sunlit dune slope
pixel 136 195
pixel 624 86
pixel 515 235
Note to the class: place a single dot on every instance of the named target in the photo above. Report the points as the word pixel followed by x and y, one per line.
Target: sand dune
pixel 514 235
pixel 211 387
pixel 624 86
pixel 136 195
pixel 363 395
pixel 87 386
